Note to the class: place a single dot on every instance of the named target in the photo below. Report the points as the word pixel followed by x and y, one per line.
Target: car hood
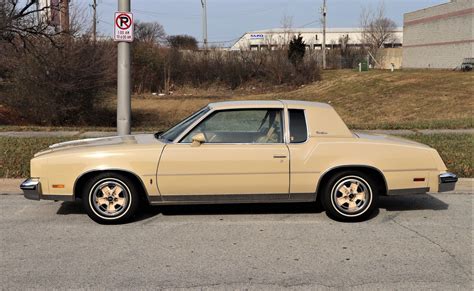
pixel 139 139
pixel 389 139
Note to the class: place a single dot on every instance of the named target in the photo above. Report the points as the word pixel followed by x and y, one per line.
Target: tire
pixel 350 196
pixel 110 198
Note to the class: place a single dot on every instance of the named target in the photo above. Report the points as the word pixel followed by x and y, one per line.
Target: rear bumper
pixel 447 182
pixel 31 189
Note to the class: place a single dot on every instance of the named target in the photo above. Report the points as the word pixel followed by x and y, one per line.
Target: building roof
pixel 314 29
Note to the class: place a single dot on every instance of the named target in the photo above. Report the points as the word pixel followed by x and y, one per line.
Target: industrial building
pixel 440 36
pixel 313 37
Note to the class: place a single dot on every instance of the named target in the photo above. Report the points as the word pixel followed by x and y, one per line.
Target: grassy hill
pixel 404 99
pixel 375 99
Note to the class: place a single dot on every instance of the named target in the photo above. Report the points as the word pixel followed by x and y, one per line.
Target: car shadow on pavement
pixel 391 203
pixel 232 209
pixel 71 207
pixel 412 202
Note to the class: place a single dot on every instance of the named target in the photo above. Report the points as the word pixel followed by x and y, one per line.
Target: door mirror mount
pixel 198 139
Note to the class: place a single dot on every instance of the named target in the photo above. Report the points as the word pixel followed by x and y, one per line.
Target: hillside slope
pixel 375 99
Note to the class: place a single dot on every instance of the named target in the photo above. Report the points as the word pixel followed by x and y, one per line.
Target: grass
pixel 16 153
pixel 404 99
pixel 455 149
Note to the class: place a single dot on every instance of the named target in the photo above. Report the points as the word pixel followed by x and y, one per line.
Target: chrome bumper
pixel 447 182
pixel 31 189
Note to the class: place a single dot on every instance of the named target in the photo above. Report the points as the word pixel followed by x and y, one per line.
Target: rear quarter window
pixel 298 129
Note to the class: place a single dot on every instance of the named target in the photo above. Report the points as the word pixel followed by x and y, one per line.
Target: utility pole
pixel 204 22
pixel 323 11
pixel 123 80
pixel 64 16
pixel 94 23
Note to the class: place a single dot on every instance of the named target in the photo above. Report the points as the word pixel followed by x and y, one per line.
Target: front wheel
pixel 110 198
pixel 350 196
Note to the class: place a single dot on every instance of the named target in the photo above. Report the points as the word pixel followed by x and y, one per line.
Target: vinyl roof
pixel 266 103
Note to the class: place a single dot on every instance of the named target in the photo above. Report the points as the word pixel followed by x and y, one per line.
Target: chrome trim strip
pixel 408 170
pixel 233 198
pixel 223 174
pixel 408 191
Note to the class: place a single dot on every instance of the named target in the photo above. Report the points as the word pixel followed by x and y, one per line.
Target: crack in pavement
pixel 443 250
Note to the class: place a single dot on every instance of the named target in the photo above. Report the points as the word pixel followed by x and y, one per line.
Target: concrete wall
pixel 387 56
pixel 439 36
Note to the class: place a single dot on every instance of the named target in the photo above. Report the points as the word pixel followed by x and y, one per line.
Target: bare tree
pixel 183 41
pixel 286 24
pixel 149 32
pixel 22 21
pixel 377 29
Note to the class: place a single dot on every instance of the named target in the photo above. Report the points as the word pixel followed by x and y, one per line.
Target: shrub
pixel 61 85
pixel 296 50
pixel 156 69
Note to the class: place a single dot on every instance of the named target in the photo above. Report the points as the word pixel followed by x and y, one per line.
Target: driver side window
pixel 241 126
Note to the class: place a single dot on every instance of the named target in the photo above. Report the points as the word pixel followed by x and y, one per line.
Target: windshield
pixel 172 133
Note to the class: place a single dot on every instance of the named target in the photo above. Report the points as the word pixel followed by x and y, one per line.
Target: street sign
pixel 123 26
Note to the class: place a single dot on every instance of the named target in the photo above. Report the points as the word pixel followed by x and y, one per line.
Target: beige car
pixel 239 152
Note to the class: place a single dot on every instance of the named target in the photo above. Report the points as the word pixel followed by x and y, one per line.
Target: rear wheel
pixel 110 198
pixel 350 196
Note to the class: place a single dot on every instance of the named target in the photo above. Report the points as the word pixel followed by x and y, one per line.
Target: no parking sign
pixel 123 26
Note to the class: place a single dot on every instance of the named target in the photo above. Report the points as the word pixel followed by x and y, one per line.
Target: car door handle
pixel 279 156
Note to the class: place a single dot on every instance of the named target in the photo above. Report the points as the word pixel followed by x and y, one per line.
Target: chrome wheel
pixel 110 198
pixel 351 195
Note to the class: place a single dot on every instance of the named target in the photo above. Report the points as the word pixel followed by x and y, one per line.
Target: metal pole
pixel 94 24
pixel 64 16
pixel 123 80
pixel 204 22
pixel 324 34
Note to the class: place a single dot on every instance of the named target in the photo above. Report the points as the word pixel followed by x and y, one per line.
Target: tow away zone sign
pixel 123 26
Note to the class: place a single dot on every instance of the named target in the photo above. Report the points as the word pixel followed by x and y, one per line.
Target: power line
pixel 306 24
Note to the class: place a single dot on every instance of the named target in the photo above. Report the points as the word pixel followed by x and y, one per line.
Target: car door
pixel 243 157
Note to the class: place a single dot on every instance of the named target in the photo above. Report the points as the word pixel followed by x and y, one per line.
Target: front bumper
pixel 447 182
pixel 31 189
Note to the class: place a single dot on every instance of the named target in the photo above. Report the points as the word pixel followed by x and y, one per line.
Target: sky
pixel 230 19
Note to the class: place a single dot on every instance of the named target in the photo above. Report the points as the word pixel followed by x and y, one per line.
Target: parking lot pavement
pixel 414 241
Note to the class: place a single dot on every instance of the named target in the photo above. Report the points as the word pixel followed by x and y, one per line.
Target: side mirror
pixel 198 139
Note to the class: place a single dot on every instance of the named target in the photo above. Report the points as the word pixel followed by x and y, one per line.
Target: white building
pixel 440 36
pixel 274 38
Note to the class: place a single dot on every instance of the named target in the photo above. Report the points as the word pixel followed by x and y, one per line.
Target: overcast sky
pixel 229 19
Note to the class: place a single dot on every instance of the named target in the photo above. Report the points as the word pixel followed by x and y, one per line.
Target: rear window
pixel 298 131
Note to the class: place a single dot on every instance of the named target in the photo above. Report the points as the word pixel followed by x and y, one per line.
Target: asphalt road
pixel 422 241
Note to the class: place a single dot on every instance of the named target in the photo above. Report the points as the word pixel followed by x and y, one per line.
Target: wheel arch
pixel 80 181
pixel 369 170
